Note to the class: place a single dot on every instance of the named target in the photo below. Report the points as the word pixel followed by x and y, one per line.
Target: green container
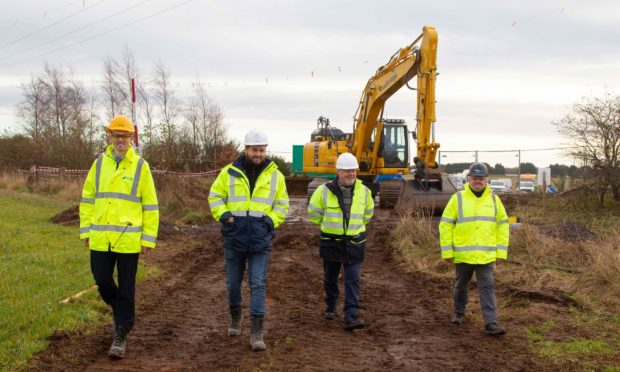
pixel 298 159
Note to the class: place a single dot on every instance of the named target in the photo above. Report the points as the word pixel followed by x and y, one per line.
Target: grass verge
pixel 40 265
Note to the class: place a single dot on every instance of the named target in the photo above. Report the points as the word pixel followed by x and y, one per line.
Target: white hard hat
pixel 256 137
pixel 347 161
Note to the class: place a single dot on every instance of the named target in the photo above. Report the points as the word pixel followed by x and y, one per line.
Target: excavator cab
pixel 394 147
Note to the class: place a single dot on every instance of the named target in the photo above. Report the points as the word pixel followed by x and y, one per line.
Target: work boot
pixel 234 322
pixel 458 319
pixel 329 314
pixel 256 333
pixel 494 329
pixel 119 345
pixel 353 322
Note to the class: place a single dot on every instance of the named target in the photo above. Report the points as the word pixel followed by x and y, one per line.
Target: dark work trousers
pixel 486 288
pixel 120 297
pixel 331 270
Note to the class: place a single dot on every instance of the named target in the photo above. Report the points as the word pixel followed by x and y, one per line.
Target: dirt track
pixel 182 316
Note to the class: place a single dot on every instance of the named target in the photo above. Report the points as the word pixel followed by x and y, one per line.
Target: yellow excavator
pixel 381 145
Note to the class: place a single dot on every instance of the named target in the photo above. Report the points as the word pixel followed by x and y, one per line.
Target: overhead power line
pixel 74 31
pixel 100 34
pixel 50 25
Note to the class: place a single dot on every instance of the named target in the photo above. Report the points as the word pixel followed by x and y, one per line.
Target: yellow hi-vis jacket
pixel 119 209
pixel 474 230
pixel 324 209
pixel 230 194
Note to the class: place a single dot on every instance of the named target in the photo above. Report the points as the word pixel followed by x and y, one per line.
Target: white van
pixel 526 186
pixel 497 186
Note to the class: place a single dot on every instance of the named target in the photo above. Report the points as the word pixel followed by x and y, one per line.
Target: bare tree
pixel 32 111
pixel 593 127
pixel 169 107
pixel 55 82
pixel 113 92
pixel 208 129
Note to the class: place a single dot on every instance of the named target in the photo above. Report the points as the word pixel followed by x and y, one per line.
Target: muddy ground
pixel 182 315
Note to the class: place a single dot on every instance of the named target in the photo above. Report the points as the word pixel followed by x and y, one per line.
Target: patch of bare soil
pixel 68 217
pixel 182 316
pixel 573 231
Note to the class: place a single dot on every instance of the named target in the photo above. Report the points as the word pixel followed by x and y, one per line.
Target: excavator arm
pixel 403 66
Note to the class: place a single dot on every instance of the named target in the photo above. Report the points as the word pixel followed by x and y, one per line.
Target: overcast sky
pixel 507 68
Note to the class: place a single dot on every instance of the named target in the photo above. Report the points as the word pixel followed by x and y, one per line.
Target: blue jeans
pixel 331 270
pixel 258 264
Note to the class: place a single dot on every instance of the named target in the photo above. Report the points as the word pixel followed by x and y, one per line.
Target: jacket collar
pixel 130 155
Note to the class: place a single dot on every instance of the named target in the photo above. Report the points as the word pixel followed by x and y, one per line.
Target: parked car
pixel 498 186
pixel 527 186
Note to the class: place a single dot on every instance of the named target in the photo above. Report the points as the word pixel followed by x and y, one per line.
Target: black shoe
pixel 353 323
pixel 458 319
pixel 494 329
pixel 329 314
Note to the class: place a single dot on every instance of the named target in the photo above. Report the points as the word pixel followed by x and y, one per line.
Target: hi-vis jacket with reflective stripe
pixel 119 209
pixel 474 230
pixel 341 240
pixel 256 215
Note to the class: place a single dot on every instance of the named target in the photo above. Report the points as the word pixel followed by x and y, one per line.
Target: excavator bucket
pixel 418 196
pixel 297 185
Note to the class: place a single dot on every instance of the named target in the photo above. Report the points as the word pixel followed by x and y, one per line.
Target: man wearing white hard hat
pixel 249 198
pixel 342 208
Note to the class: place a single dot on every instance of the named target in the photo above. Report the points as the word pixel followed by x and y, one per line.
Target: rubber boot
pixel 256 333
pixel 119 345
pixel 234 322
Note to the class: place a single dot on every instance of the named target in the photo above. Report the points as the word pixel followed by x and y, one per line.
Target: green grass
pixel 40 265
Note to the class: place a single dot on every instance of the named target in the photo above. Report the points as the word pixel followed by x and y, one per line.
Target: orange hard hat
pixel 121 123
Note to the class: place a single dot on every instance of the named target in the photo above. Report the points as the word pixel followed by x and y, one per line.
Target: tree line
pixel 63 119
pixel 559 170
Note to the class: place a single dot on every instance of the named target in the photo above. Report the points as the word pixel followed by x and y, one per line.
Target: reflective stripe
pixel 333 225
pixel 474 248
pixel 88 200
pixel 278 209
pixel 150 207
pixel 281 202
pixel 495 204
pixel 98 172
pixel 315 209
pixel 239 213
pixel 136 177
pixel 355 226
pixel 216 203
pixel 118 195
pixel 116 228
pixel 475 218
pixel 213 194
pixel 369 211
pixel 502 247
pixel 312 215
pixel 324 196
pixel 149 238
pixel 334 215
pixel 502 222
pixel 256 214
pixel 446 248
pixel 84 230
pixel 232 197
pixel 447 220
pixel 258 199
pixel 355 215
pixel 459 198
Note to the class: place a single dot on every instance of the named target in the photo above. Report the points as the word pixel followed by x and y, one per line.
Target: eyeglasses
pixel 120 136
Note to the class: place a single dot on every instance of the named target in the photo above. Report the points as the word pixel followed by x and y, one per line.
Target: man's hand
pixel 230 219
pixel 144 251
pixel 85 242
pixel 498 261
pixel 449 260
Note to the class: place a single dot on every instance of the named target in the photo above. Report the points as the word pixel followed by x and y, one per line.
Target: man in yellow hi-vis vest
pixel 249 198
pixel 474 234
pixel 342 208
pixel 119 218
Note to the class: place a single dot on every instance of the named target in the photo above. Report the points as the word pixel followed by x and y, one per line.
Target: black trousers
pixel 120 297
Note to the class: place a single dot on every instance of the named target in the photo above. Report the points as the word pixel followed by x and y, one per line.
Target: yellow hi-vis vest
pixel 119 209
pixel 474 230
pixel 325 210
pixel 230 193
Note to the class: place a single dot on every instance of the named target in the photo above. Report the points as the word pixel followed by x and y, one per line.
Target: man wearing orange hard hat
pixel 119 219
